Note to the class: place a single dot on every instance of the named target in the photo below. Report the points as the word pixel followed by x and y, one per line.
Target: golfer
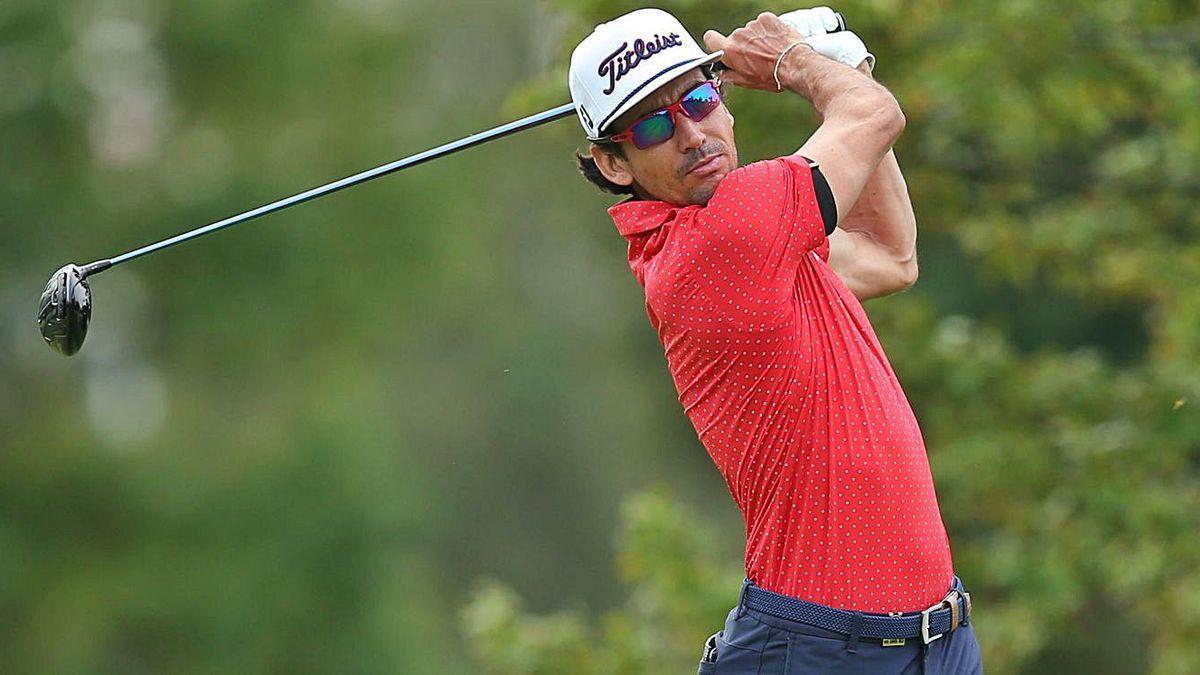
pixel 753 278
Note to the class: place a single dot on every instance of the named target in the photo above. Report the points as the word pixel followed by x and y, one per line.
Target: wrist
pixel 783 54
pixel 792 65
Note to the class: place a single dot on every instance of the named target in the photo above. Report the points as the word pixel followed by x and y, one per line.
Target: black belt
pixel 929 625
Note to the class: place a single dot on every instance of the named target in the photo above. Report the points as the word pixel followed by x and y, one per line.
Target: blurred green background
pixel 424 426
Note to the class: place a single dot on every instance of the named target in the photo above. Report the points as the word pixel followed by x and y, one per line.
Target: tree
pixel 678 592
pixel 1051 348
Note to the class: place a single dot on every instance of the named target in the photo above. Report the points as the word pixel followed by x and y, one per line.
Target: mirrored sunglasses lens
pixel 653 130
pixel 701 101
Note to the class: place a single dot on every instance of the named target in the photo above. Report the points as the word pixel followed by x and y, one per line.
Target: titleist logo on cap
pixel 624 59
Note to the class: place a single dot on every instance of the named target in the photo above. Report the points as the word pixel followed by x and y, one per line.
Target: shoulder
pixel 768 180
pixel 746 194
pixel 749 176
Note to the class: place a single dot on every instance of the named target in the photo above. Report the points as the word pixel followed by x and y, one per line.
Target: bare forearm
pixel 874 250
pixel 832 88
pixel 860 119
pixel 884 212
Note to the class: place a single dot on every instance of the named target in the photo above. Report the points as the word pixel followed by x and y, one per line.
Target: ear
pixel 614 168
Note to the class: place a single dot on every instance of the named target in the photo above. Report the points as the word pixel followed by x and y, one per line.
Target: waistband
pixel 929 624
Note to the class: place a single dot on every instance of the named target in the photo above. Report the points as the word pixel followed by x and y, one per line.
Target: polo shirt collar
pixel 635 216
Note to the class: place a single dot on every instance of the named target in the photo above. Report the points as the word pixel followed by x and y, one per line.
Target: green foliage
pixel 677 590
pixel 291 447
pixel 1051 348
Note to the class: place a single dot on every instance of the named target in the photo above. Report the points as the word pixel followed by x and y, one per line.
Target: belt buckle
pixel 951 600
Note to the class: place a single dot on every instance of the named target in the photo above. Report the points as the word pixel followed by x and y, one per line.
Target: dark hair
pixel 587 167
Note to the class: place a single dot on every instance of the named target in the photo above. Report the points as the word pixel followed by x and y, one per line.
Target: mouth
pixel 706 166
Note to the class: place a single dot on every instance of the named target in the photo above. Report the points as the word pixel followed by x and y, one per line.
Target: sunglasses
pixel 659 125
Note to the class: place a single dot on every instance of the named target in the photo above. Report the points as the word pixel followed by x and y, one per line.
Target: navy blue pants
pixel 754 643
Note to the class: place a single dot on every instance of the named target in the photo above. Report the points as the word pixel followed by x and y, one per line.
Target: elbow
pixel 888 118
pixel 906 275
pixel 880 115
pixel 887 279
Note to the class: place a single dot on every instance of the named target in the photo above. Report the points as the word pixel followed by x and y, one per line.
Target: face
pixel 684 169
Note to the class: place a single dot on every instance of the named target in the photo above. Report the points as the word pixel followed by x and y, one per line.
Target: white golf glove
pixel 843 46
pixel 815 21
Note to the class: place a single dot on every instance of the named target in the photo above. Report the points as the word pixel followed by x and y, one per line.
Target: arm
pixel 860 119
pixel 874 249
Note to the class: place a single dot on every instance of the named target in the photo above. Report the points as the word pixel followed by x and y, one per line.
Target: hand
pixel 825 33
pixel 751 52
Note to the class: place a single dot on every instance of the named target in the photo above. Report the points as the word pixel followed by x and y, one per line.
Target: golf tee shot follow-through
pixel 65 309
pixel 66 304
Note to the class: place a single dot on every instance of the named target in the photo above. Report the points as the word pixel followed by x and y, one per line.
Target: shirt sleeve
pixel 752 235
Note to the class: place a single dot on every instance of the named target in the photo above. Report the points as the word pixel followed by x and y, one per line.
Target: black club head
pixel 65 310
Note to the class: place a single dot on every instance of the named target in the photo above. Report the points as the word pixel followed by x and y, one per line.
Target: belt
pixel 929 625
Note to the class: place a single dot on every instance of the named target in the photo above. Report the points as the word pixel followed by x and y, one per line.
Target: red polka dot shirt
pixel 789 390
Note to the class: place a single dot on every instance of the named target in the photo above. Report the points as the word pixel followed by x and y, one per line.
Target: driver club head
pixel 65 310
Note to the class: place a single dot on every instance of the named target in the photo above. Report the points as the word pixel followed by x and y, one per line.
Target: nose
pixel 688 135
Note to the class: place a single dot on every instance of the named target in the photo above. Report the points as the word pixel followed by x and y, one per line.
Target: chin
pixel 704 192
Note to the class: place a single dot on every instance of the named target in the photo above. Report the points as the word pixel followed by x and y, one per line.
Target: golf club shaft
pixel 349 181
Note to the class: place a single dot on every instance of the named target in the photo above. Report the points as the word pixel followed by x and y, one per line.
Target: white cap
pixel 625 60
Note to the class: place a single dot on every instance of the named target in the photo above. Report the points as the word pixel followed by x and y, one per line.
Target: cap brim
pixel 650 86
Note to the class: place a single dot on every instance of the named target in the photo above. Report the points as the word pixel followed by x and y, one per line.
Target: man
pixel 753 278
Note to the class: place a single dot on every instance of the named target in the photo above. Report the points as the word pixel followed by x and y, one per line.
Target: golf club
pixel 66 304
